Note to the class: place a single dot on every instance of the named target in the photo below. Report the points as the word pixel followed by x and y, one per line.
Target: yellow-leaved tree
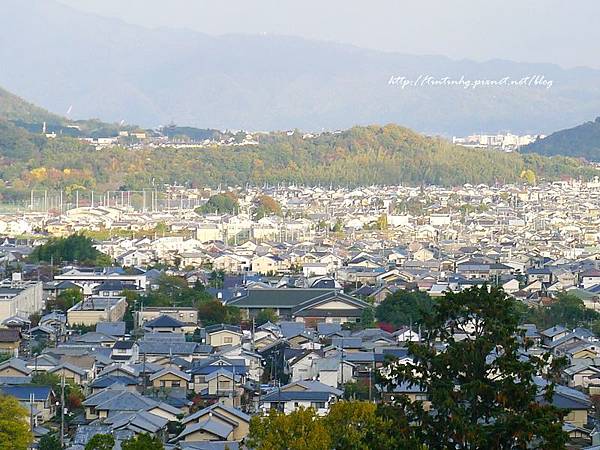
pixel 14 429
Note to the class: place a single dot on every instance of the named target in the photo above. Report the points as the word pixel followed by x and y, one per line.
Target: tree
pixel 567 310
pixel 300 430
pixel 529 176
pixel 357 426
pixel 483 392
pixel 66 299
pixel 50 442
pixel 266 315
pixel 101 442
pixel 266 206
pixel 143 442
pixel 212 312
pixel 404 308
pixel 226 203
pixel 14 428
pixel 75 248
pixel 367 318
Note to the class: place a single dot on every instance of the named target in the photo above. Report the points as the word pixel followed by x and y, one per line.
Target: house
pixel 229 416
pixel 170 378
pixel 187 315
pixel 114 400
pixel 581 375
pixel 310 306
pixel 202 372
pixel 116 329
pixel 71 373
pixel 10 341
pixel 125 351
pixel 301 394
pixel 575 402
pixel 164 346
pixel 14 367
pixel 39 399
pixel 411 391
pixel 553 334
pixel 164 324
pixel 590 278
pixel 220 335
pixel 104 382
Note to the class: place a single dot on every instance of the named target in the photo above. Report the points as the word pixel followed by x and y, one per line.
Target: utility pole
pixel 62 410
pixel 31 402
pixel 144 374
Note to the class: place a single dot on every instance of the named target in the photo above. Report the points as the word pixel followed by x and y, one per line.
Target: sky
pixel 563 32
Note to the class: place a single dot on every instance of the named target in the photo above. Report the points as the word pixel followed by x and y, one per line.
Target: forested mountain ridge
pixel 359 156
pixel 582 141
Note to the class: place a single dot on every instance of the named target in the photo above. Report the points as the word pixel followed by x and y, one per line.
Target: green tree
pixel 266 315
pixel 300 430
pixel 143 442
pixel 566 309
pixel 212 312
pixel 66 299
pixel 404 307
pixel 75 248
pixel 357 426
pixel 50 442
pixel 483 392
pixel 367 318
pixel 226 203
pixel 101 442
pixel 14 428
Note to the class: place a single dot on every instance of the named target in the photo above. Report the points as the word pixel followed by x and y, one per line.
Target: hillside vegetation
pixel 581 141
pixel 361 155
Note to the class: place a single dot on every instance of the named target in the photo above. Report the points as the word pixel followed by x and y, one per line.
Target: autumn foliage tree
pixel 300 430
pixel 14 428
pixel 265 206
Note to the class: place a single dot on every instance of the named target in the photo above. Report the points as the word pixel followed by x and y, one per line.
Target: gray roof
pixel 278 298
pixel 111 328
pixel 164 321
pixel 166 348
pixel 215 427
pixel 233 411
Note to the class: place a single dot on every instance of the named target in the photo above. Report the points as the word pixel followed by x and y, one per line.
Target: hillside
pixel 358 156
pixel 14 108
pixel 582 141
pixel 108 69
pixel 27 116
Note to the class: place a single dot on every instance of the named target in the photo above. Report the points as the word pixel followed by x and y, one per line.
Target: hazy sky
pixel 565 32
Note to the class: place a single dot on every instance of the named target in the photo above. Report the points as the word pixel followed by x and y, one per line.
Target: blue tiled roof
pixel 24 392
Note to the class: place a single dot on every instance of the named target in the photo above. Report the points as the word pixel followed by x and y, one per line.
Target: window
pixel 318 405
pixel 227 339
pixel 175 384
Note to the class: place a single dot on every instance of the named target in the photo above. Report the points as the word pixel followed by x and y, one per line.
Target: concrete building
pixel 20 298
pixel 97 309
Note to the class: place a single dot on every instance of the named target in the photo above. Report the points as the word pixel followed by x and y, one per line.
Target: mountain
pixel 16 109
pixel 17 112
pixel 66 60
pixel 359 156
pixel 582 141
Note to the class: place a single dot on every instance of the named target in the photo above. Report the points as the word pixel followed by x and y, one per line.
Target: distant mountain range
pixel 66 60
pixel 582 141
